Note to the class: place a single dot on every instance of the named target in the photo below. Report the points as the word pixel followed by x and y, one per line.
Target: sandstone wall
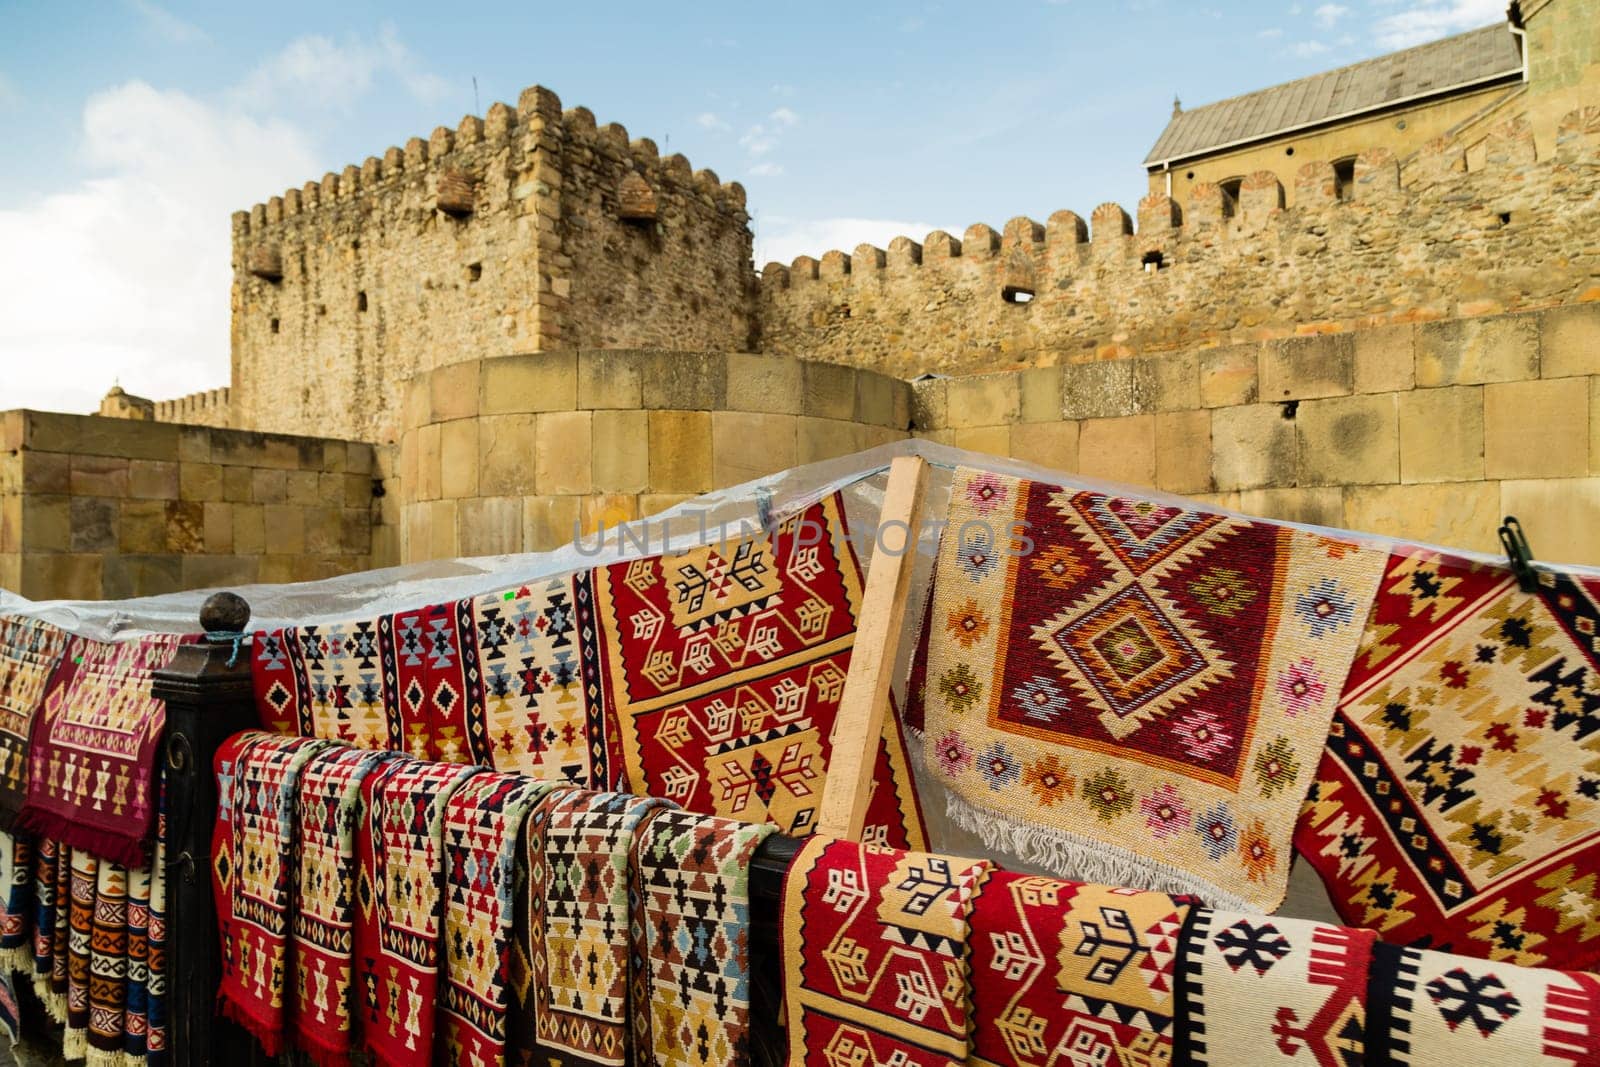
pixel 1429 432
pixel 1517 234
pixel 526 230
pixel 512 454
pixel 94 508
pixel 210 407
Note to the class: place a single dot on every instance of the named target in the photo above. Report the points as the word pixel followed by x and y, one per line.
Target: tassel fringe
pixel 54 1003
pixel 271 1039
pixel 93 840
pixel 18 959
pixel 1083 859
pixel 75 1044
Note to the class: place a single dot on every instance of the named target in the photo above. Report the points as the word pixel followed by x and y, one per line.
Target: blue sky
pixel 134 128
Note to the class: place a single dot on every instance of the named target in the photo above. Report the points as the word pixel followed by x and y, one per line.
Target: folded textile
pixel 692 923
pixel 30 653
pixel 92 754
pixel 134 1039
pixel 1133 693
pixel 538 696
pixel 1064 967
pixel 1457 806
pixel 1260 990
pixel 575 940
pixel 482 828
pixel 83 878
pixel 252 863
pixel 155 996
pixel 108 968
pixel 48 891
pixel 400 884
pixel 724 666
pixel 1437 1009
pixel 322 944
pixel 16 902
pixel 875 955
pixel 334 681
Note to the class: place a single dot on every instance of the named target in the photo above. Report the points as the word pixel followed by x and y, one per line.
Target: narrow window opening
pixel 1344 177
pixel 1230 196
pixel 1289 151
pixel 1190 175
pixel 1505 218
pixel 274 325
pixel 361 300
pixel 1153 261
pixel 1290 409
pixel 1015 294
pixel 474 271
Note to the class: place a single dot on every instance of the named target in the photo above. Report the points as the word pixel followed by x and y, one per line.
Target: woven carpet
pixel 400 908
pixel 1458 804
pixel 324 901
pixel 1069 973
pixel 724 666
pixel 108 967
pixel 252 863
pixel 875 955
pixel 1137 697
pixel 1436 1009
pixel 574 948
pixel 134 1039
pixel 536 651
pixel 482 825
pixel 692 922
pixel 92 755
pixel 83 877
pixel 30 652
pixel 49 890
pixel 16 902
pixel 155 1000
pixel 1260 991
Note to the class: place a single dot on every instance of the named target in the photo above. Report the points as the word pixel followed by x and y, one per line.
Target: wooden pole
pixel 858 730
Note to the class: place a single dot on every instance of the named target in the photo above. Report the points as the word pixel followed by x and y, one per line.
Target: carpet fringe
pixel 17 959
pixel 75 1044
pixel 1083 859
pixel 54 1003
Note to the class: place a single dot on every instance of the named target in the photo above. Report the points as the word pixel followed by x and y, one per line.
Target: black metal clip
pixel 1515 542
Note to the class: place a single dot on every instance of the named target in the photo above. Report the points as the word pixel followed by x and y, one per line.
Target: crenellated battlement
pixel 209 407
pixel 1426 239
pixel 529 229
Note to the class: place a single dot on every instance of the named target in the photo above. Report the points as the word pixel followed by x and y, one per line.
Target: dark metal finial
pixel 224 613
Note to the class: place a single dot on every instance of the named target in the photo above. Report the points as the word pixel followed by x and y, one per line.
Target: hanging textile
pixel 30 653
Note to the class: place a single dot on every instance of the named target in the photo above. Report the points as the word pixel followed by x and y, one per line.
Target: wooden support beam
pixel 858 730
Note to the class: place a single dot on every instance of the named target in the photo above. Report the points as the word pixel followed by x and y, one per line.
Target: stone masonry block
pixel 304 488
pixel 1107 388
pixel 218 527
pixel 882 401
pixel 453 391
pixel 610 379
pixel 609 510
pixel 1183 451
pixel 506 447
pixel 1039 394
pixel 94 524
pixel 1348 441
pixel 153 479
pixel 1049 444
pixel 828 391
pixel 141 527
pixel 1228 375
pixel 1441 434
pixel 1252 446
pixel 442 526
pixel 237 485
pixel 489 526
pixel 680 451
pixel 819 439
pixel 984 400
pixel 1386 360
pixel 46 472
pixel 324 530
pixel 1317 506
pixel 544 381
pixel 563 452
pixel 245 449
pixel 69 576
pixel 930 403
pixel 1504 348
pixel 458 458
pixel 93 435
pixel 745 446
pixel 686 381
pixel 249 529
pixel 990 440
pixel 204 481
pixel 1561 517
pixel 1536 429
pixel 1569 341
pixel 99 476
pixel 621 451
pixel 427 453
pixel 194 444
pixel 548 522
pixel 1300 368
pixel 765 383
pixel 1119 450
pixel 1176 381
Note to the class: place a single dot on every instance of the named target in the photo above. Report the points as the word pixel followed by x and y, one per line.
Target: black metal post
pixel 208 700
pixel 769 1041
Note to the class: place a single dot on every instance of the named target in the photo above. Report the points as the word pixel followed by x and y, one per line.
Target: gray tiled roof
pixel 1436 67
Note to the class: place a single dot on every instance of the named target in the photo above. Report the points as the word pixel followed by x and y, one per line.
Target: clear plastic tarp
pixel 860 479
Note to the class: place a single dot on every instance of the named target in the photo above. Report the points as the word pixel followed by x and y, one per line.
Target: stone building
pixel 529 322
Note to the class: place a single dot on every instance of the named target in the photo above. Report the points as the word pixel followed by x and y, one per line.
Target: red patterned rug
pixel 1065 969
pixel 1260 991
pixel 30 653
pixel 1134 693
pixel 92 756
pixel 724 667
pixel 1457 806
pixel 876 956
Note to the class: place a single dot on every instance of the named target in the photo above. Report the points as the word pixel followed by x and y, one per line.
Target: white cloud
pixel 1432 19
pixel 316 71
pixel 168 25
pixel 758 140
pixel 1308 48
pixel 765 170
pixel 784 116
pixel 1328 14
pixel 710 120
pixel 780 240
pixel 125 275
